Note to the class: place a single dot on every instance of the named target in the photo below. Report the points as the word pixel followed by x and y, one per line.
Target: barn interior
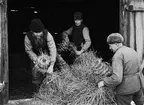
pixel 101 17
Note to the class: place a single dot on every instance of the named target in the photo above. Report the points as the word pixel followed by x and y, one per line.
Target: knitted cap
pixel 115 38
pixel 36 25
pixel 78 16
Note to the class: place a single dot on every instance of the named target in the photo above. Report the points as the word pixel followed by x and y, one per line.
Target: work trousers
pixel 137 97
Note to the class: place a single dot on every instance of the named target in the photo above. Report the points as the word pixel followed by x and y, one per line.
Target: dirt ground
pixel 31 102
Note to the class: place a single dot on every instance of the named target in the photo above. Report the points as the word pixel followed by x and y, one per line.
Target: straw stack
pixel 77 84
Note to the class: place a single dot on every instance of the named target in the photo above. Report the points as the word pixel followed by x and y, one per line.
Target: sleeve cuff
pixel 105 83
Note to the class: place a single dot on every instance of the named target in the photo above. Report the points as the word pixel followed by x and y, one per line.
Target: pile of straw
pixel 77 84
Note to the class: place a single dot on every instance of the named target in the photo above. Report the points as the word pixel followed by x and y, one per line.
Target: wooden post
pixel 3 51
pixel 123 19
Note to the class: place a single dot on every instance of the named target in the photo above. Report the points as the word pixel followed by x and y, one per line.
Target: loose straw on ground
pixel 77 84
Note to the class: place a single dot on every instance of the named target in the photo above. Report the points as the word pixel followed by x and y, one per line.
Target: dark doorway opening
pixel 102 18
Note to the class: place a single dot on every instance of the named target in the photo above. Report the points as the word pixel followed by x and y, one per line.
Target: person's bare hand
pixel 50 70
pixel 35 61
pixel 100 84
pixel 1 86
pixel 78 52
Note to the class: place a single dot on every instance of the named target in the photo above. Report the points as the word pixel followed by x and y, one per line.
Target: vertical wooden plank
pixel 3 51
pixel 123 19
pixel 0 40
pixel 120 16
pixel 132 30
pixel 5 59
pixel 1 99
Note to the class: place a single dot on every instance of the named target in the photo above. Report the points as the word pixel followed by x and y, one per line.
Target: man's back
pixel 131 63
pixel 131 60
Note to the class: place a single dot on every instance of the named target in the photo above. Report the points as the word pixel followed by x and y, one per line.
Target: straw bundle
pixel 66 46
pixel 77 84
pixel 42 63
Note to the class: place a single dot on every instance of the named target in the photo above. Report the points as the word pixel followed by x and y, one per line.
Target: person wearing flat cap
pixel 127 78
pixel 78 35
pixel 39 40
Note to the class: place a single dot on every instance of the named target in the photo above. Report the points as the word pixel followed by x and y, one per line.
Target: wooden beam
pixel 3 51
pixel 123 20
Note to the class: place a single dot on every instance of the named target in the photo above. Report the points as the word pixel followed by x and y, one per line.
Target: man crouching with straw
pixel 41 48
pixel 127 77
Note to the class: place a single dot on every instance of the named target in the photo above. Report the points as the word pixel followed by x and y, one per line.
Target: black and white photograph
pixel 71 52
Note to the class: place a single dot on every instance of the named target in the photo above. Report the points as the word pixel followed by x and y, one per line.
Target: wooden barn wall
pixel 132 24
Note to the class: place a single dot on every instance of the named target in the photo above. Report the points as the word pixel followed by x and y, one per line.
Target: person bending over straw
pixel 127 78
pixel 41 48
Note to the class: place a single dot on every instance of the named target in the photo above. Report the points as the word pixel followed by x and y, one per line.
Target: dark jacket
pixel 32 47
pixel 40 44
pixel 79 35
